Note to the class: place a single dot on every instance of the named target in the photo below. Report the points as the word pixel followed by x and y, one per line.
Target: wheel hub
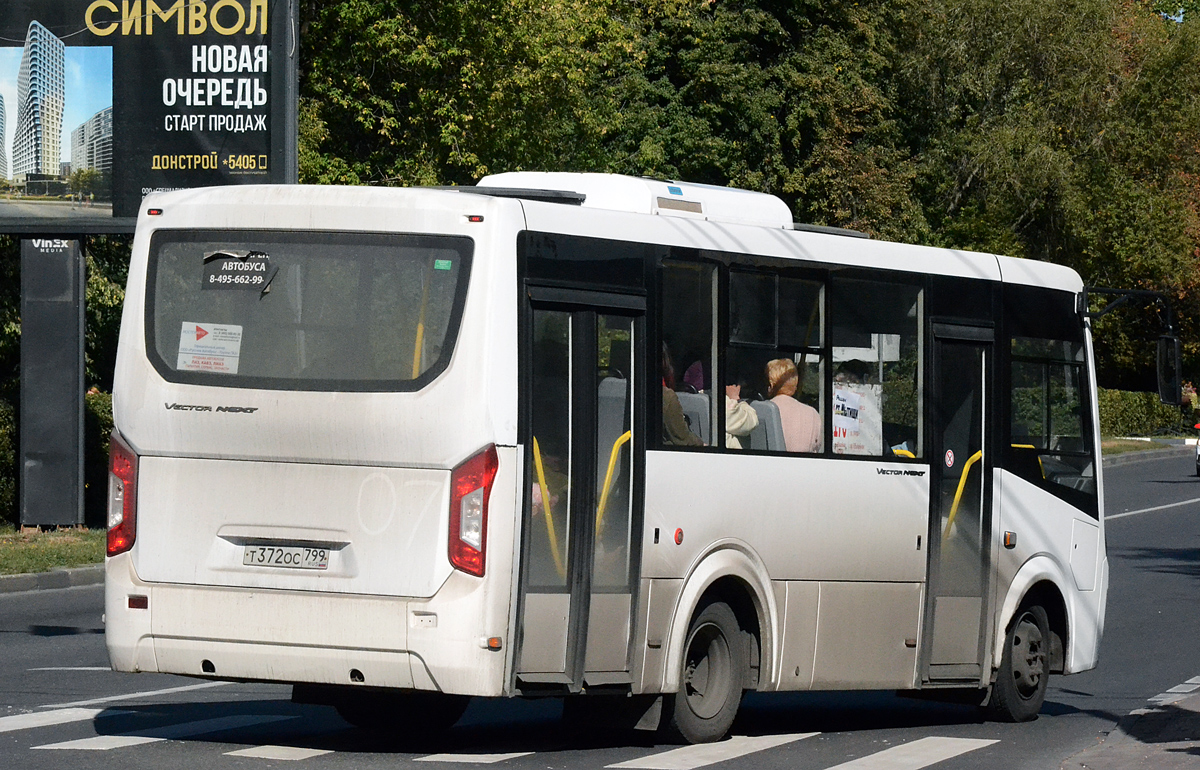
pixel 1028 657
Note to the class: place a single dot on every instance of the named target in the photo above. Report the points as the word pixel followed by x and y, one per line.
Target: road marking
pixel 47 718
pixel 702 754
pixel 1172 695
pixel 916 754
pixel 475 759
pixel 132 695
pixel 278 752
pixel 168 733
pixel 1155 508
pixel 71 668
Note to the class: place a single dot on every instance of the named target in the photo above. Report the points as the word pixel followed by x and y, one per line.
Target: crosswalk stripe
pixel 474 759
pixel 47 718
pixel 132 695
pixel 689 757
pixel 170 732
pixel 916 754
pixel 278 752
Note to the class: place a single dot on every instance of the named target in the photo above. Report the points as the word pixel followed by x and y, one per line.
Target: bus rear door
pixel 581 411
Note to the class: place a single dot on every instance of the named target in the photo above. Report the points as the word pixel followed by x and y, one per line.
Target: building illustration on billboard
pixel 91 146
pixel 3 152
pixel 41 96
pixel 56 146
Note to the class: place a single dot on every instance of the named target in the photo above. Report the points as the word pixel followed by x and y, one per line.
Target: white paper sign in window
pixel 857 425
pixel 205 347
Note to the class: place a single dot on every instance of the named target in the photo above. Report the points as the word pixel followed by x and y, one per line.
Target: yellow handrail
pixel 904 453
pixel 417 352
pixel 541 473
pixel 962 483
pixel 608 477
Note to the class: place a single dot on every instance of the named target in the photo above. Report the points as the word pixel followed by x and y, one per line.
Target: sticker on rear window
pixel 205 347
pixel 238 270
pixel 442 264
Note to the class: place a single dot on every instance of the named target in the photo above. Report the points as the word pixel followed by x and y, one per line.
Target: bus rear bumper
pixel 302 637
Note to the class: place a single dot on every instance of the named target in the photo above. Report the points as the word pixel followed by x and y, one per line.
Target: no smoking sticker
pixel 949 458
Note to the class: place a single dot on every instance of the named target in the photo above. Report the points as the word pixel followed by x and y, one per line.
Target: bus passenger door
pixel 581 408
pixel 956 605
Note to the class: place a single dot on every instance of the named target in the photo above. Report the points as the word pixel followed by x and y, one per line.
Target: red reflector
pixel 139 602
pixel 474 217
pixel 679 536
pixel 154 212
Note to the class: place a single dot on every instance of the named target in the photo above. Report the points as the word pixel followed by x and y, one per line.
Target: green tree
pixel 84 180
pixel 1065 132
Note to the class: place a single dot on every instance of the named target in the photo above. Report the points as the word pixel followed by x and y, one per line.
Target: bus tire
pixel 403 715
pixel 710 684
pixel 1020 686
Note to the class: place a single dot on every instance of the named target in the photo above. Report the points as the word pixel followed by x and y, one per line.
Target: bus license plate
pixel 289 556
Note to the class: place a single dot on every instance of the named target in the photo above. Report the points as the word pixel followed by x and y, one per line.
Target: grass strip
pixel 1116 446
pixel 35 551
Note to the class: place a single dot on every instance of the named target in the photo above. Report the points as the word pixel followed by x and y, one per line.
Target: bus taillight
pixel 470 488
pixel 122 496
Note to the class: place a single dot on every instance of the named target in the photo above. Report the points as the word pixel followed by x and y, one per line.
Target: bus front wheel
pixel 710 684
pixel 1020 686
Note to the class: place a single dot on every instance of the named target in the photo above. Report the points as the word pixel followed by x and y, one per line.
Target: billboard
pixel 105 101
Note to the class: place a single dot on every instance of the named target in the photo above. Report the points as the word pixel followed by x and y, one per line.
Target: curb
pixel 1160 738
pixel 1125 458
pixel 91 575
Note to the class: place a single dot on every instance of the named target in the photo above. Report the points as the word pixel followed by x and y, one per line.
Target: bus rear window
pixel 304 310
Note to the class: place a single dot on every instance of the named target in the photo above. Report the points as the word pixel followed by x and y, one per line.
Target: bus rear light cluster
pixel 122 496
pixel 470 488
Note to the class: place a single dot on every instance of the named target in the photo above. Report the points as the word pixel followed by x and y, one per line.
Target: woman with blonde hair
pixel 801 423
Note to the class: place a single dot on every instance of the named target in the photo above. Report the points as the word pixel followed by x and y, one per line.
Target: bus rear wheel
pixel 1020 686
pixel 710 684
pixel 404 714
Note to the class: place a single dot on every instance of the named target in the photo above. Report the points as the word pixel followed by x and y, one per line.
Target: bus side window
pixel 776 338
pixel 688 325
pixel 877 368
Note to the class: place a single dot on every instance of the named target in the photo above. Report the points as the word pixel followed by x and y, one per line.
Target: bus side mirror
pixel 1170 383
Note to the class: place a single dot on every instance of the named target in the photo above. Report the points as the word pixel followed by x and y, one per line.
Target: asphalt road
pixel 55 670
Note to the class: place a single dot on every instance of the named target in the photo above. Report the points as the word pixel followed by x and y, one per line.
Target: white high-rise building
pixel 91 143
pixel 3 128
pixel 41 96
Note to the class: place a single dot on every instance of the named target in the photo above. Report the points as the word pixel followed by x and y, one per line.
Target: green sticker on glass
pixel 441 264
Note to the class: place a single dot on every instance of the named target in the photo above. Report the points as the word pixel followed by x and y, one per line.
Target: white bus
pixel 398 447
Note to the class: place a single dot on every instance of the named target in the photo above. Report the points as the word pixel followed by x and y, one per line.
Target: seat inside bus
pixel 610 419
pixel 695 411
pixel 768 434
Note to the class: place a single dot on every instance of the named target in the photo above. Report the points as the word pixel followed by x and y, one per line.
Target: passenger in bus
pixel 740 417
pixel 675 431
pixel 801 423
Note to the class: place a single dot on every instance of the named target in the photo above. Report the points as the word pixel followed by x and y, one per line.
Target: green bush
pixel 8 463
pixel 97 425
pixel 1124 413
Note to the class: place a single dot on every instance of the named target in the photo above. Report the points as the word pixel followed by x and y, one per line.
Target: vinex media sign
pixel 105 101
